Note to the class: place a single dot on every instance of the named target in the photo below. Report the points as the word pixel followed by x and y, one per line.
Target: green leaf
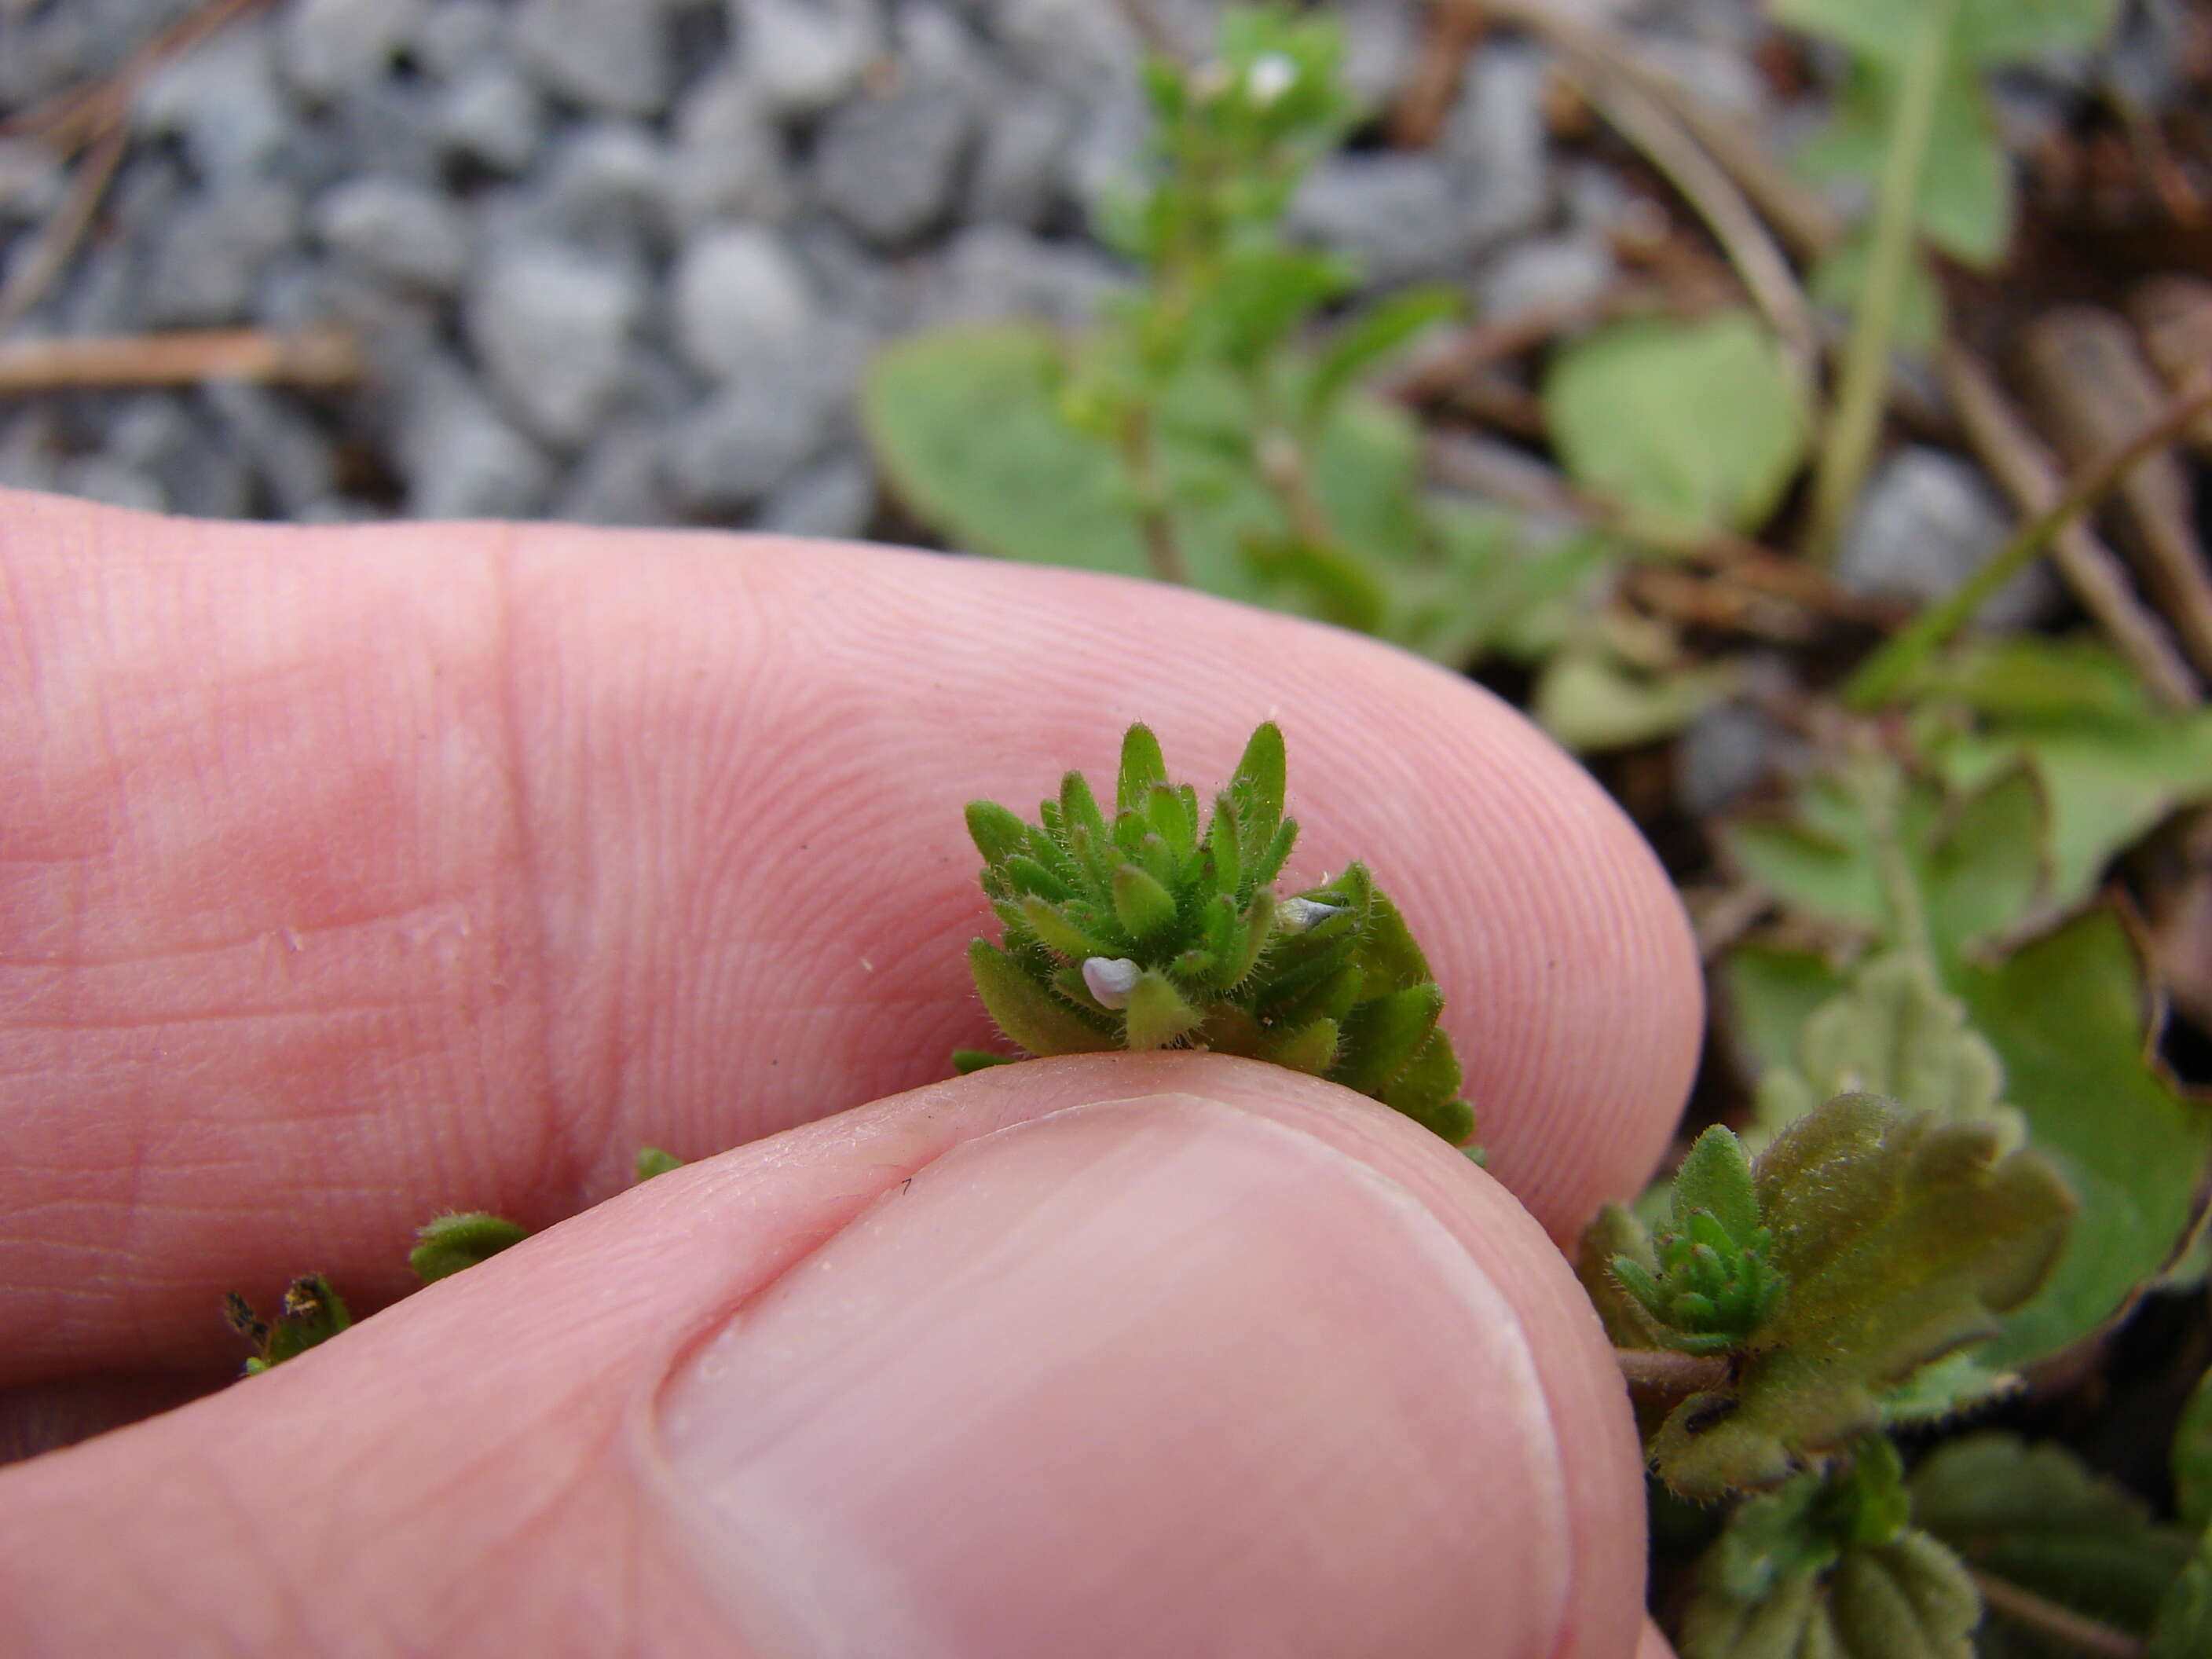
pixel 445 1246
pixel 1838 281
pixel 1966 204
pixel 1377 333
pixel 1590 702
pixel 1142 905
pixel 2036 1517
pixel 652 1161
pixel 1979 863
pixel 1158 1014
pixel 1700 425
pixel 2107 782
pixel 1988 31
pixel 1031 1017
pixel 1143 770
pixel 1706 1281
pixel 964 424
pixel 1894 1032
pixel 2193 1458
pixel 1769 993
pixel 997 833
pixel 1900 1239
pixel 1614 1234
pixel 1382 1033
pixel 311 1313
pixel 1259 296
pixel 2067 1016
pixel 1256 788
pixel 1827 1566
pixel 2183 1629
pixel 1716 1178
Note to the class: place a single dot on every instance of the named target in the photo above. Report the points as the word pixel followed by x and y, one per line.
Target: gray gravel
pixel 623 263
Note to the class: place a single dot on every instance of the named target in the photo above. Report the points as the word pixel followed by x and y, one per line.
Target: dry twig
pixel 317 357
pixel 2093 391
pixel 2030 474
pixel 1623 94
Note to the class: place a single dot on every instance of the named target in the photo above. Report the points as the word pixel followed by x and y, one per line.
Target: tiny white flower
pixel 1111 979
pixel 1301 914
pixel 1270 76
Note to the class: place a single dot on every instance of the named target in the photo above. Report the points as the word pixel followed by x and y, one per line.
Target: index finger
pixel 349 876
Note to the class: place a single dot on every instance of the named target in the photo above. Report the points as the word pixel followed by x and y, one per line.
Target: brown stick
pixel 33 272
pixel 2091 387
pixel 1519 480
pixel 1668 1372
pixel 1804 216
pixel 1436 370
pixel 1624 97
pixel 2047 1617
pixel 70 120
pixel 1454 31
pixel 315 357
pixel 2029 473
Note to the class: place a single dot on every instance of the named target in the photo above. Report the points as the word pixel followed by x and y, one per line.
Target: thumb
pixel 1109 1355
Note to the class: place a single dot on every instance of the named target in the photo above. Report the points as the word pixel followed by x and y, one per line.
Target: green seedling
pixel 311 1313
pixel 1158 927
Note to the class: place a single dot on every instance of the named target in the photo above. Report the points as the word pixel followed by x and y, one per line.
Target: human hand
pixel 348 876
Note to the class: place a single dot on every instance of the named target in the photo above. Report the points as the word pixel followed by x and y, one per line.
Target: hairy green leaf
pixel 1149 930
pixel 1893 1032
pixel 449 1244
pixel 1826 1566
pixel 1899 1239
pixel 2035 1516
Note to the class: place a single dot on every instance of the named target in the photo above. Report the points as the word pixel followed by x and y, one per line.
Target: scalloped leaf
pixel 1893 1032
pixel 2036 1518
pixel 1827 1566
pixel 1900 1240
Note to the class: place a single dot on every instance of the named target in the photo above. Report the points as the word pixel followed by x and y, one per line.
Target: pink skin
pixel 349 876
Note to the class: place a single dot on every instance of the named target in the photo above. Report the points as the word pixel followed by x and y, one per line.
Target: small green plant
pixel 1160 928
pixel 1915 121
pixel 310 1313
pixel 1201 433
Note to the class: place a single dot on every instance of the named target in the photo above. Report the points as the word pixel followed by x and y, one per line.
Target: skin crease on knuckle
pixel 480 825
pixel 521 952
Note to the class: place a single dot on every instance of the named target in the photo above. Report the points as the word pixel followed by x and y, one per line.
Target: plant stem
pixel 1162 552
pixel 2048 1619
pixel 1879 790
pixel 1862 389
pixel 1668 1372
pixel 1892 667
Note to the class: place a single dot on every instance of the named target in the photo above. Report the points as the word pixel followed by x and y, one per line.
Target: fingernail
pixel 1148 1377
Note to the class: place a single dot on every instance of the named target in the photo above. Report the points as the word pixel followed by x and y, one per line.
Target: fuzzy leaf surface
pixel 1900 1239
pixel 1153 930
pixel 1826 1566
pixel 2035 1516
pixel 451 1242
pixel 1893 1032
